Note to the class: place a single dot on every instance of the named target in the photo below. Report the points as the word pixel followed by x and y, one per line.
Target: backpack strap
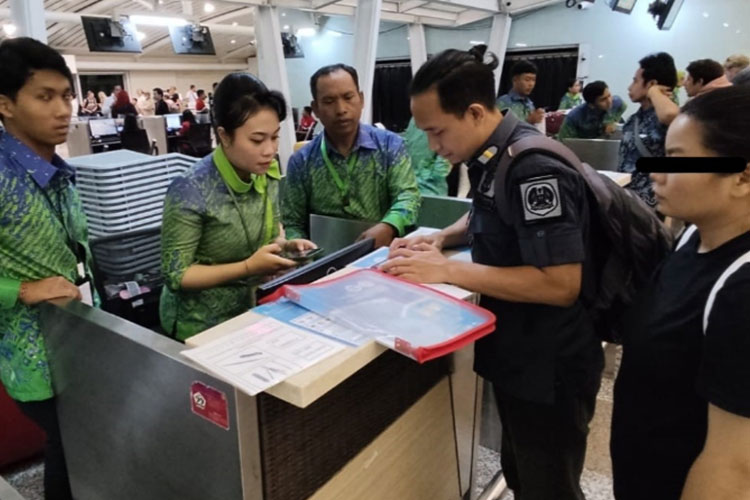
pixel 639 145
pixel 539 144
pixel 687 233
pixel 741 261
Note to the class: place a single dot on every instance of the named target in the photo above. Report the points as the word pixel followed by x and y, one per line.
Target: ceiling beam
pixel 410 4
pixel 486 5
pixel 434 13
pixel 234 52
pixel 227 16
pixel 470 16
pixel 319 4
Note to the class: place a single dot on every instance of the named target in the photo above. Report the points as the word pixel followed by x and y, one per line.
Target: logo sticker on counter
pixel 209 403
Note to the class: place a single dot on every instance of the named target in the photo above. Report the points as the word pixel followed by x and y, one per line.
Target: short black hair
pixel 706 70
pixel 201 92
pixel 523 67
pixel 187 116
pixel 308 109
pixel 572 81
pixel 724 118
pixel 327 70
pixel 21 57
pixel 159 91
pixel 460 77
pixel 594 91
pixel 241 95
pixel 659 67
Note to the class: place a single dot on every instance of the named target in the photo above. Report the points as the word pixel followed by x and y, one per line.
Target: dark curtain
pixel 390 95
pixel 555 68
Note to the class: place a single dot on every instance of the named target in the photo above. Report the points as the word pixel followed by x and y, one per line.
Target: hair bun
pixel 478 52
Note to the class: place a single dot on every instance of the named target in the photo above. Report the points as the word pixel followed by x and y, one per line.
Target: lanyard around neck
pixel 343 185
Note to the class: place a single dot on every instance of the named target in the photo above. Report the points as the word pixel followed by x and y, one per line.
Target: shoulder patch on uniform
pixel 540 197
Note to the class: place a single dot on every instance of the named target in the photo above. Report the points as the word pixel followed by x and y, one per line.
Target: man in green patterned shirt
pixel 523 75
pixel 43 249
pixel 430 168
pixel 352 170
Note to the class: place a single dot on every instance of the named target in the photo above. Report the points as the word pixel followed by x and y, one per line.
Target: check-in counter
pixel 366 423
pixel 78 142
pixel 156 128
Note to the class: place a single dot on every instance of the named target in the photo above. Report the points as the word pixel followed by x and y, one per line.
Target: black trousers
pixel 44 413
pixel 544 446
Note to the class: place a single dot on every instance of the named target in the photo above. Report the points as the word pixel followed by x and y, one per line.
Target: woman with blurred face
pixel 221 233
pixel 681 421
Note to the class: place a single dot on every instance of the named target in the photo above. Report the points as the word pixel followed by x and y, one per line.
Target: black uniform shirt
pixel 536 349
pixel 671 370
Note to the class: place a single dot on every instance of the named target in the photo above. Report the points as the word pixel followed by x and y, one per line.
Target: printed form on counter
pixel 263 354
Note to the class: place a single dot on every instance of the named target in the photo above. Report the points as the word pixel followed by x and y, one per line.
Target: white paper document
pixel 263 354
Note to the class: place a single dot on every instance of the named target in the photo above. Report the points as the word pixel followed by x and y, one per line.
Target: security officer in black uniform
pixel 544 359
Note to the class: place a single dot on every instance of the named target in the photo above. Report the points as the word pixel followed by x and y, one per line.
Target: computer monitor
pixel 320 268
pixel 103 128
pixel 173 122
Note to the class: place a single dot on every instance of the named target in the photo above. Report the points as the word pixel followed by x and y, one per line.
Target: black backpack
pixel 634 239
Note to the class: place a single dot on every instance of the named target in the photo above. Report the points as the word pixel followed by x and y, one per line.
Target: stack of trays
pixel 123 191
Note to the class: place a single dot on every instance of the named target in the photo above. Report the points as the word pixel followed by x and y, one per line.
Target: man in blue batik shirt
pixel 523 75
pixel 645 132
pixel 596 117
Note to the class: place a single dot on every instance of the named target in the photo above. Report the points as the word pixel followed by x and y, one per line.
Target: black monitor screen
pixel 192 39
pixel 320 268
pixel 103 128
pixel 104 34
pixel 173 122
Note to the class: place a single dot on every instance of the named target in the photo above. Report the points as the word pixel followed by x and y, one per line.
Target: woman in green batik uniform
pixel 221 233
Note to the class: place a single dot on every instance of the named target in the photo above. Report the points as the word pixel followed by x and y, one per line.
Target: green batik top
pixel 521 106
pixel 375 183
pixel 42 234
pixel 570 101
pixel 431 170
pixel 203 225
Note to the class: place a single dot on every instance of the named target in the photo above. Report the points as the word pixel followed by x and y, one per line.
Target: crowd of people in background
pixel 144 103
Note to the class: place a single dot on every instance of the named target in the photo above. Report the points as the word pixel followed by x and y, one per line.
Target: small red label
pixel 209 403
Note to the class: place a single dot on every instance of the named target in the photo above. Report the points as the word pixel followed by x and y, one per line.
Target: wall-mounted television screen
pixel 105 34
pixel 192 39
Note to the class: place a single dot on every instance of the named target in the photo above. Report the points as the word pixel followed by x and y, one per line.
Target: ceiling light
pixel 333 33
pixel 9 29
pixel 305 32
pixel 521 44
pixel 705 14
pixel 157 21
pixel 233 42
pixel 601 56
pixel 140 34
pixel 286 27
pixel 476 42
pixel 208 7
pixel 726 25
pixel 234 23
pixel 283 14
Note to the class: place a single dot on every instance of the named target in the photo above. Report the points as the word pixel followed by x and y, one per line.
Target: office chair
pixel 137 140
pixel 197 141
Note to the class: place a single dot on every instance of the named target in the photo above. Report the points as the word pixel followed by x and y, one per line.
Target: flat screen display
pixel 104 34
pixel 103 128
pixel 192 39
pixel 173 122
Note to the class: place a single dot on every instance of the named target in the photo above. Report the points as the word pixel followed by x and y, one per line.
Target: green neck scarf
pixel 232 179
pixel 257 182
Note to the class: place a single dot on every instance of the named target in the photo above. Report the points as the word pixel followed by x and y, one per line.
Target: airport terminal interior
pixel 374 249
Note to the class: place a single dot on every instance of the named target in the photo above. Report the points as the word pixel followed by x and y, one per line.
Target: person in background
pixel 704 75
pixel 679 85
pixel 597 117
pixel 306 122
pixel 192 98
pixel 644 132
pixel 430 168
pixel 160 104
pixel 44 252
pixel 90 106
pixel 742 78
pixel 147 106
pixel 200 103
pixel 681 419
pixel 174 103
pixel 106 107
pixel 130 124
pixel 523 75
pixel 734 64
pixel 122 105
pixel 572 97
pixel 172 92
pixel 530 263
pixel 352 170
pixel 211 94
pixel 221 233
pixel 186 120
